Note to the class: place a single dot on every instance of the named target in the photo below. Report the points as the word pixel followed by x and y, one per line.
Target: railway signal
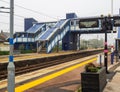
pixel 107 24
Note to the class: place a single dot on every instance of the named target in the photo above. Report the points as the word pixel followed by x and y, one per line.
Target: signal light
pixel 107 24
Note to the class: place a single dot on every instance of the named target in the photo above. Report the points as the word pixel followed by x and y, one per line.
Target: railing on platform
pixel 23 39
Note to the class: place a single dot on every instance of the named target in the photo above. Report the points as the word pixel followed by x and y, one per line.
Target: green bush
pixel 21 47
pixel 4 52
pixel 79 90
pixel 91 68
pixel 28 51
pixel 55 48
pixel 22 51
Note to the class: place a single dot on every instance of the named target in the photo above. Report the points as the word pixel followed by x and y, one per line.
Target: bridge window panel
pixel 100 24
pixel 33 40
pixel 48 48
pixel 67 28
pixel 72 27
pixel 55 39
pixel 77 28
pixel 15 40
pixel 20 39
pixel 63 32
pixel 38 32
pixel 24 39
pixel 59 36
pixel 52 43
pixel 18 35
pixel 63 35
pixel 43 29
pixel 77 22
pixel 72 23
pixel 29 39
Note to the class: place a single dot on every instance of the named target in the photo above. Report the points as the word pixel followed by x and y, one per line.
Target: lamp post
pixel 11 67
pixel 112 7
pixel 105 29
pixel 113 29
pixel 112 46
pixel 106 52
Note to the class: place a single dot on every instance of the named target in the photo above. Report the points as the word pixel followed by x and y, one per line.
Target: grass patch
pixel 79 90
pixel 4 52
pixel 28 51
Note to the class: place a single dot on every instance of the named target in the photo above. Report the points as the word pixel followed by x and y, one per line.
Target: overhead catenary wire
pixel 43 14
pixel 19 16
pixel 14 24
pixel 30 10
pixel 15 16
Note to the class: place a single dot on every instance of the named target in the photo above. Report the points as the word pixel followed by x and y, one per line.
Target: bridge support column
pixel 37 45
pixel 74 41
pixel 66 42
pixel 58 46
pixel 69 42
pixel 78 41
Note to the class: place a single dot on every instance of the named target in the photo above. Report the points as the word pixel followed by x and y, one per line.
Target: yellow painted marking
pixel 29 85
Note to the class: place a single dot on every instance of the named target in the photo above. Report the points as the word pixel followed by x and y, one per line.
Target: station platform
pixel 20 57
pixel 113 84
pixel 62 79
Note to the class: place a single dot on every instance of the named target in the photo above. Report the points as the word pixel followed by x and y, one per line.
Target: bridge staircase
pixel 51 36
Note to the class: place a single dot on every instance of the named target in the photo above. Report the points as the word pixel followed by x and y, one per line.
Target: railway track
pixel 29 67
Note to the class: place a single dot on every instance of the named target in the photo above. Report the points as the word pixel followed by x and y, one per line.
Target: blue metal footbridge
pixel 46 35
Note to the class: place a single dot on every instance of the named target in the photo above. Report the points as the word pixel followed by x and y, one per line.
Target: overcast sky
pixel 55 9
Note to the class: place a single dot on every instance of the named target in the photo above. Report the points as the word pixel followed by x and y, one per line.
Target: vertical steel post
pixel 11 67
pixel 79 42
pixel 106 52
pixel 100 60
pixel 112 7
pixel 117 50
pixel 112 47
pixel 37 43
pixel 57 46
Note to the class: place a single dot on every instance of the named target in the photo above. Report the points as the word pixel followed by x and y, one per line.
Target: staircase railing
pixel 64 28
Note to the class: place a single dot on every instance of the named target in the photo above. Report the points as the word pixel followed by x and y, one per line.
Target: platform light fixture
pixel 4 8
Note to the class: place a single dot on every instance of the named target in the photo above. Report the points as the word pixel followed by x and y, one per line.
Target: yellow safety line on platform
pixel 39 81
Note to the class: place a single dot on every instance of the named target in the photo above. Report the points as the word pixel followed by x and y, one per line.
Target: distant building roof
pixel 1 40
pixel 4 36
